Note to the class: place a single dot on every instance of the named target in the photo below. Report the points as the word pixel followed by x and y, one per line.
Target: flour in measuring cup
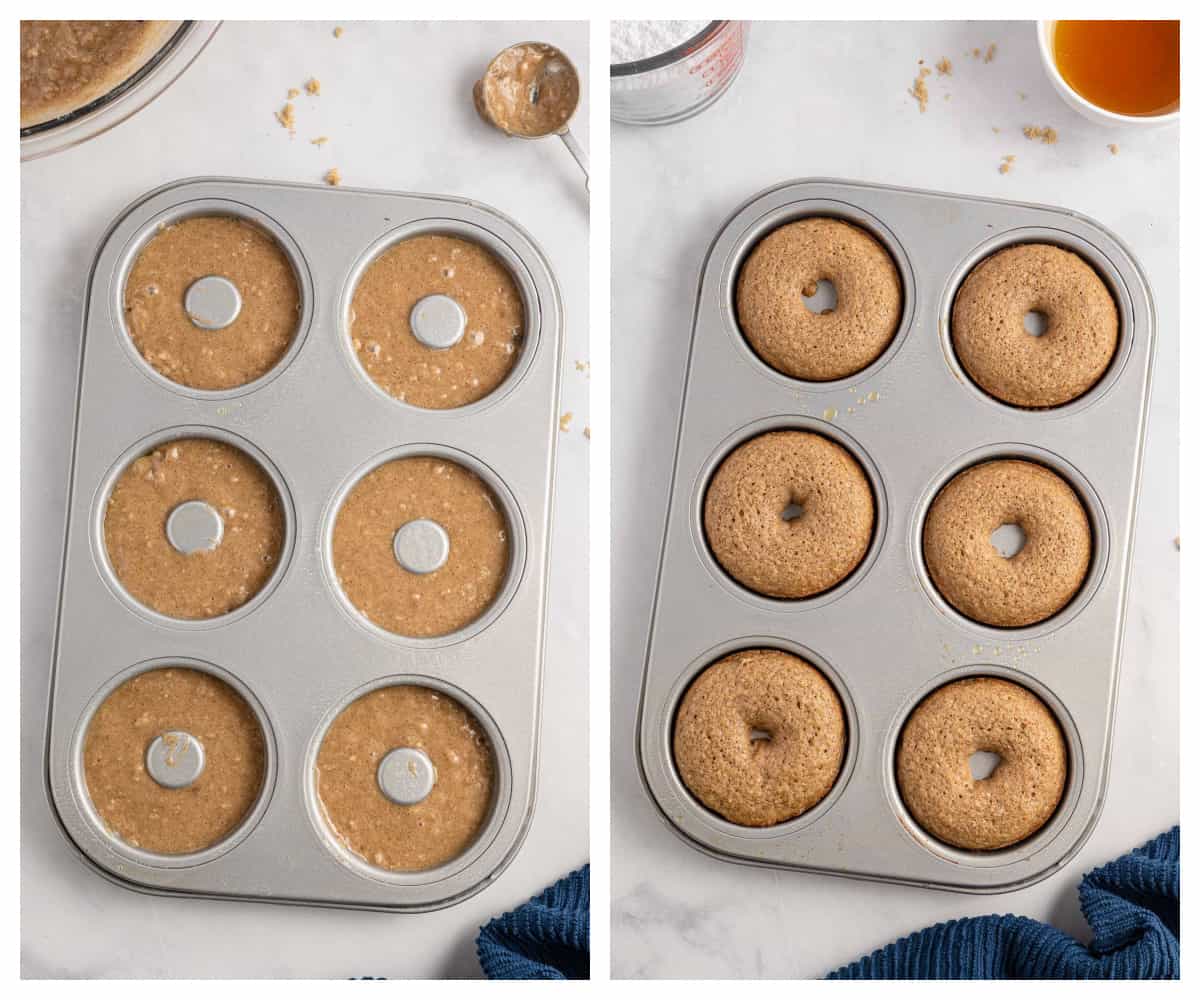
pixel 630 41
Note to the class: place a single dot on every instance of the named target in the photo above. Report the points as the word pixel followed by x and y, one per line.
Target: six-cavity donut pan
pixel 884 637
pixel 298 652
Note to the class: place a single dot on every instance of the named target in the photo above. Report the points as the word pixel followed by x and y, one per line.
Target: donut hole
pixel 1008 540
pixel 793 511
pixel 820 297
pixel 1035 322
pixel 983 764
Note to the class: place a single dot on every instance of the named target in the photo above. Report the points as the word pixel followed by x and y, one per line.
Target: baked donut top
pixel 933 767
pixel 789 514
pixel 1036 582
pixel 991 341
pixel 785 268
pixel 760 737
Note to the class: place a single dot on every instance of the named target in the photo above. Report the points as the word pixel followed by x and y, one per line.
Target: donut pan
pixel 884 637
pixel 298 651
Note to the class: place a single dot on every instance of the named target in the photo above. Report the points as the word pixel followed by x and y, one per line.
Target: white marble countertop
pixel 829 99
pixel 396 106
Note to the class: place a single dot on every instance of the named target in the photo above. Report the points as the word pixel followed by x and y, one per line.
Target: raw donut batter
pixel 382 336
pixel 528 90
pixel 67 64
pixel 205 583
pixel 421 604
pixel 167 336
pixel 137 808
pixel 405 837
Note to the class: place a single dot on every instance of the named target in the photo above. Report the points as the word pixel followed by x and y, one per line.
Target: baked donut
pixel 789 514
pixel 760 737
pixel 988 332
pixel 1036 582
pixel 933 763
pixel 785 267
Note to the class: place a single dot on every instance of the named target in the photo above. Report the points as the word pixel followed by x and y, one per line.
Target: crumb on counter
pixel 319 140
pixel 293 93
pixel 1007 163
pixel 1114 148
pixel 564 422
pixel 287 117
pixel 996 130
pixel 1021 94
pixel 1045 133
pixel 990 54
pixel 919 91
pixel 1176 543
pixel 338 31
pixel 944 67
pixel 587 433
pixel 333 177
pixel 583 366
pixel 313 87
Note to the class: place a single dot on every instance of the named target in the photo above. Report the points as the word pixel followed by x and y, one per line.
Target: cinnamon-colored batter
pixel 405 837
pixel 226 247
pixel 529 90
pixel 67 64
pixel 206 583
pixel 132 804
pixel 415 604
pixel 397 361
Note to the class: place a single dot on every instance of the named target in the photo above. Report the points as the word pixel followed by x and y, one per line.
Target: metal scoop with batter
pixel 531 90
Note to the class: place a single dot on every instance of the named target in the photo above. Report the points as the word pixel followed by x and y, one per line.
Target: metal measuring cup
pixel 531 90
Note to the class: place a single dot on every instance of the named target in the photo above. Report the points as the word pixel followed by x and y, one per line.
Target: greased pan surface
pixel 884 637
pixel 298 652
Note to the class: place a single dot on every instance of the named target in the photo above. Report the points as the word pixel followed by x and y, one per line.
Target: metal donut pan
pixel 298 649
pixel 885 634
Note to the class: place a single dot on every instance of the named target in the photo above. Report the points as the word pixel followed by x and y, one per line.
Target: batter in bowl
pixel 202 740
pixel 194 529
pixel 437 321
pixel 444 797
pixel 68 64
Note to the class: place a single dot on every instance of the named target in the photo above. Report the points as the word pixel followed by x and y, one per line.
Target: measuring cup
pixel 531 90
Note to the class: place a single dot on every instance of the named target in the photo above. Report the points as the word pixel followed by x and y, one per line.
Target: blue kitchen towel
pixel 1131 904
pixel 546 938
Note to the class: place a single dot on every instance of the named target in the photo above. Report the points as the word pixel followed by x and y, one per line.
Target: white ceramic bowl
pixel 1045 33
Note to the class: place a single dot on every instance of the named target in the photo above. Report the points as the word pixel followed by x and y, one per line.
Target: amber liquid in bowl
pixel 1126 67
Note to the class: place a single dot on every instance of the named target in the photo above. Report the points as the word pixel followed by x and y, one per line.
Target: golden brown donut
pixel 765 477
pixel 989 336
pixel 976 579
pixel 786 266
pixel 933 770
pixel 759 737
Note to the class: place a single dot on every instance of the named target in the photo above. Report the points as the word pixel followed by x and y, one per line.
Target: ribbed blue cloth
pixel 546 938
pixel 1131 904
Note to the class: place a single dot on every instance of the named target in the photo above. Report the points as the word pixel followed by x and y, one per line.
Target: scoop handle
pixel 576 151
